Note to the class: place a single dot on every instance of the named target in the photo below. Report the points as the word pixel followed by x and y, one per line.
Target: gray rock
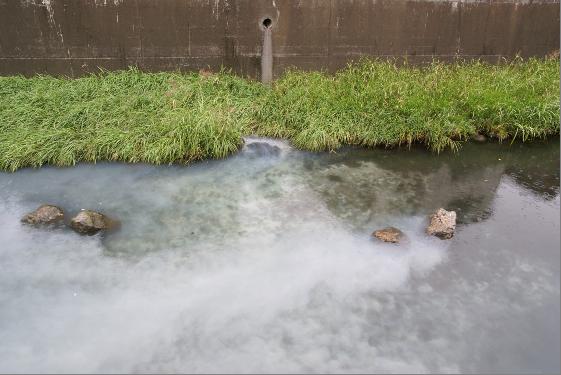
pixel 44 215
pixel 479 138
pixel 262 149
pixel 90 222
pixel 389 234
pixel 442 224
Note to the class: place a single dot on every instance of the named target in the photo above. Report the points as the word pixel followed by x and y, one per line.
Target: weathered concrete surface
pixel 77 36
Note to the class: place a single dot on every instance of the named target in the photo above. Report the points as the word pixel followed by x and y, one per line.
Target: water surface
pixel 263 262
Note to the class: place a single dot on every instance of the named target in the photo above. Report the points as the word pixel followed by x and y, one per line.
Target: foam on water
pixel 243 265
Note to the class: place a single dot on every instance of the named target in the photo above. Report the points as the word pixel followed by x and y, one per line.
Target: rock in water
pixel 478 137
pixel 442 224
pixel 90 222
pixel 389 234
pixel 44 215
pixel 263 149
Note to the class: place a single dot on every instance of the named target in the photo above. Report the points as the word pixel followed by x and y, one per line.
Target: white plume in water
pixel 253 264
pixel 269 303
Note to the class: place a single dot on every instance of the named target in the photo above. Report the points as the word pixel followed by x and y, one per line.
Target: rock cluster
pixel 85 222
pixel 442 225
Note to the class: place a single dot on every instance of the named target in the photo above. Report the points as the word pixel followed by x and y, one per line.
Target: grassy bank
pixel 170 117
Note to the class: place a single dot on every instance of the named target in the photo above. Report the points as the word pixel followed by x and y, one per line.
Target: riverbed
pixel 264 262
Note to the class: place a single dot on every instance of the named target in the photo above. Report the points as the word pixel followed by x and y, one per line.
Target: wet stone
pixel 479 138
pixel 389 234
pixel 262 149
pixel 442 224
pixel 44 215
pixel 91 222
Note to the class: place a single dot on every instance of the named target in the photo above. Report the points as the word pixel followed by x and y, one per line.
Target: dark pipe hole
pixel 267 23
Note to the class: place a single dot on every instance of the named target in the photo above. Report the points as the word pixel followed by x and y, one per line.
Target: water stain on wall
pixel 77 36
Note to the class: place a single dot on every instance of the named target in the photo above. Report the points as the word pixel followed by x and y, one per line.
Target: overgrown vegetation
pixel 170 117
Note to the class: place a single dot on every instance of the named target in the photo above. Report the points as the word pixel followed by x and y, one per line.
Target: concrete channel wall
pixel 72 37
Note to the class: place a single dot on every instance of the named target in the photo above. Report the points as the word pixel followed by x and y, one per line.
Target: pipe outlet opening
pixel 267 23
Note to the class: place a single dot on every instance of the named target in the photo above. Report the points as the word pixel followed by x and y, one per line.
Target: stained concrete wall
pixel 76 36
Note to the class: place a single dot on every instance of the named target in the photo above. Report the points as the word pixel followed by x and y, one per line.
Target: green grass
pixel 177 118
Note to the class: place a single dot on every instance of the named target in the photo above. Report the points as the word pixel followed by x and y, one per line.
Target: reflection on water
pixel 263 263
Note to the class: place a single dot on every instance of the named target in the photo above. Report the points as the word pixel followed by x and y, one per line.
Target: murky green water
pixel 263 263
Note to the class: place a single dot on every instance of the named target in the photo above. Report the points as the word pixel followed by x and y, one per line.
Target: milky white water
pixel 263 262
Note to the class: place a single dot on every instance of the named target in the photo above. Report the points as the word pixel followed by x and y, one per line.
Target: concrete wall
pixel 76 36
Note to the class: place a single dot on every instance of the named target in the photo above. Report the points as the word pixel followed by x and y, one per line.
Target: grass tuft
pixel 160 118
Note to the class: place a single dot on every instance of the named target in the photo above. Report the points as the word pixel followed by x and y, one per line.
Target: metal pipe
pixel 267 53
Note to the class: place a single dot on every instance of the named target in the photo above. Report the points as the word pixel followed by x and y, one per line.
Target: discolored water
pixel 264 263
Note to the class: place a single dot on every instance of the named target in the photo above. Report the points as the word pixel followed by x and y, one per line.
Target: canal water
pixel 263 262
